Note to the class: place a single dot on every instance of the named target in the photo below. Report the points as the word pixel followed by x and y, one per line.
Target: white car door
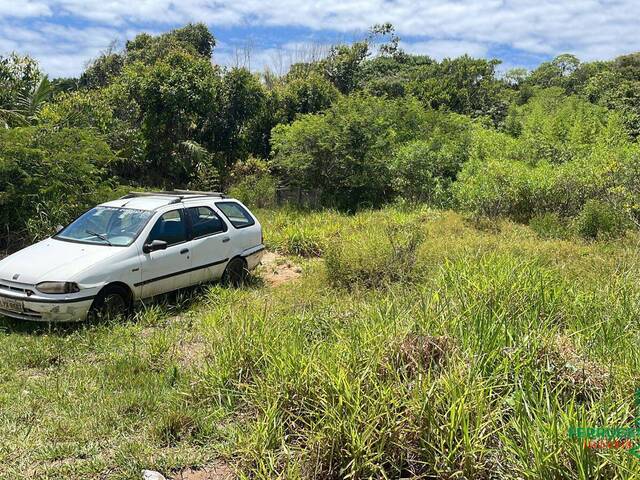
pixel 166 270
pixel 210 244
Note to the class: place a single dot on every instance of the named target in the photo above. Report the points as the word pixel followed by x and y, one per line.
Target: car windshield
pixel 107 226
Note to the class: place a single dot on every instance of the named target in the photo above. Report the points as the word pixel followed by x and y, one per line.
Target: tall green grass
pixel 471 363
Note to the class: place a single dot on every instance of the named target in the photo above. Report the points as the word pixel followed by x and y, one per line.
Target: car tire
pixel 236 272
pixel 112 302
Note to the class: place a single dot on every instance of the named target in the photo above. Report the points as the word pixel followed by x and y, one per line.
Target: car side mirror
pixel 59 228
pixel 154 245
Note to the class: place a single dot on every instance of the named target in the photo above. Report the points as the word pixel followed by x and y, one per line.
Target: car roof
pixel 156 200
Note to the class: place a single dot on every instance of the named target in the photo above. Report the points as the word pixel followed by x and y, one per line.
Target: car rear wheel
pixel 112 302
pixel 236 272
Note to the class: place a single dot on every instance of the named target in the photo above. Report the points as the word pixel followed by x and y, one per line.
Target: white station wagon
pixel 141 245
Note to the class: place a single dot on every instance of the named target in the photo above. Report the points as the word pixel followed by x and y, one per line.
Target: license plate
pixel 11 305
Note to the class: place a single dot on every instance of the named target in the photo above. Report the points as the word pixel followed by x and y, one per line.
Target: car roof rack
pixel 178 195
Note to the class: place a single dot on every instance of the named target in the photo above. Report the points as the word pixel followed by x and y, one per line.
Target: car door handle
pixel 225 239
pixel 183 251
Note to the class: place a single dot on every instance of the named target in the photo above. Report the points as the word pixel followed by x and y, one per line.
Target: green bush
pixel 422 171
pixel 253 184
pixel 520 178
pixel 48 176
pixel 512 189
pixel 374 255
pixel 345 152
pixel 549 225
pixel 599 220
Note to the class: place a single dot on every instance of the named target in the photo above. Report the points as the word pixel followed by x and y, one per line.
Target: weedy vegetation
pixel 418 346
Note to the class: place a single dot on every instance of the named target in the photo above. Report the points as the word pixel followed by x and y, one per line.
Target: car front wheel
pixel 112 302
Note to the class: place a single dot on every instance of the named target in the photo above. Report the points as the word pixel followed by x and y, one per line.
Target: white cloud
pixel 440 49
pixel 26 9
pixel 589 28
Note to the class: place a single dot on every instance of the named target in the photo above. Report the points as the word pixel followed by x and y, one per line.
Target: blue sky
pixel 65 34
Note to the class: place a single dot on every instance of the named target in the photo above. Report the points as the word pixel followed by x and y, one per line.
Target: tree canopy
pixel 364 124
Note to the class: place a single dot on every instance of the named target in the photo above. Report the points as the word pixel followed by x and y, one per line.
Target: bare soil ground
pixel 217 471
pixel 277 269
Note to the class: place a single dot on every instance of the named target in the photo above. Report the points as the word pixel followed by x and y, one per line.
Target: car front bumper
pixel 45 309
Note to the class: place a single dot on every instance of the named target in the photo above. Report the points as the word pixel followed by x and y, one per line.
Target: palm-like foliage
pixel 205 173
pixel 10 117
pixel 33 102
pixel 26 107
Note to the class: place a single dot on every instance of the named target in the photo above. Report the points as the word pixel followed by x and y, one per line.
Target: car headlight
pixel 58 287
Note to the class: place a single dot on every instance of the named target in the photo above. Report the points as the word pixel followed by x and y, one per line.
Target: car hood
pixel 53 260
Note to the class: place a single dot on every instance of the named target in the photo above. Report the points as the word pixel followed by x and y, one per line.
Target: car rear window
pixel 204 221
pixel 236 213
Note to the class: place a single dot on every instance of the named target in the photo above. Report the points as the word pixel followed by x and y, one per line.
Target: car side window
pixel 204 221
pixel 170 227
pixel 237 215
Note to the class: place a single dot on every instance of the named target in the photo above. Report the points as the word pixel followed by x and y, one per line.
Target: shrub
pixel 253 184
pixel 423 170
pixel 345 151
pixel 599 220
pixel 375 255
pixel 549 225
pixel 47 177
pixel 505 177
pixel 513 189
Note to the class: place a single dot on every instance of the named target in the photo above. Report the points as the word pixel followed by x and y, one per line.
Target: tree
pixel 20 78
pixel 611 90
pixel 101 71
pixel 515 77
pixel 241 98
pixel 463 85
pixel 423 170
pixel 174 96
pixel 195 39
pixel 343 64
pixel 390 75
pixel 198 36
pixel 628 66
pixel 109 113
pixel 556 73
pixel 346 151
pixel 48 176
pixel 310 94
pixel 390 47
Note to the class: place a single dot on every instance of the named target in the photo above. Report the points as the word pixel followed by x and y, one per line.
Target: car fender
pixel 123 268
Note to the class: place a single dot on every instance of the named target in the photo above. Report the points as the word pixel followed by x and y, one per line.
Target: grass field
pixel 414 344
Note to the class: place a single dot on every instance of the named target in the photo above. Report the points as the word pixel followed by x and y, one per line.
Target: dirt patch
pixel 192 352
pixel 277 269
pixel 217 471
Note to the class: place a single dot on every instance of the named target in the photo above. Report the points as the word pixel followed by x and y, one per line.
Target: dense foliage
pixel 363 125
pixel 49 176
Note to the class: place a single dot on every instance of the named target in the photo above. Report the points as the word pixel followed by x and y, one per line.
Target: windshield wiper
pixel 100 236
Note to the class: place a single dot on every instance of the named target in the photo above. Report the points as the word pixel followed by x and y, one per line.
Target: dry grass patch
pixel 562 360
